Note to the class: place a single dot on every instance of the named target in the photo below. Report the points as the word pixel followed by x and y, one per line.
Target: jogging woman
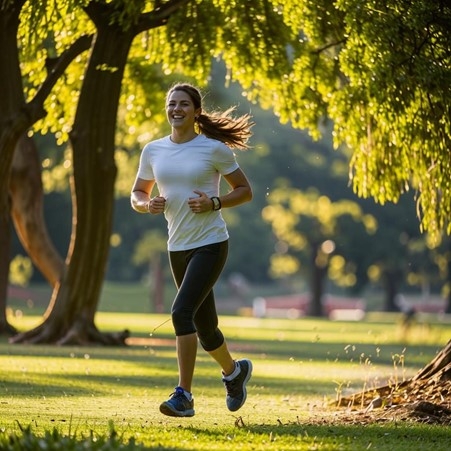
pixel 184 169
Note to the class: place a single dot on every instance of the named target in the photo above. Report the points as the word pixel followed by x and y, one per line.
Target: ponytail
pixel 222 125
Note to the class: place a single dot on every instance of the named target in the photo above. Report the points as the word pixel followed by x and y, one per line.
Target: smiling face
pixel 180 110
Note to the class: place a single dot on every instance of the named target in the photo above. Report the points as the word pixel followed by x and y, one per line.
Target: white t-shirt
pixel 178 169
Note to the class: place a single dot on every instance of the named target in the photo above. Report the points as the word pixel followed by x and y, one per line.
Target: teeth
pixel 177 117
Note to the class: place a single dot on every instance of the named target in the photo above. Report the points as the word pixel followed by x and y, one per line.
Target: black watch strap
pixel 216 203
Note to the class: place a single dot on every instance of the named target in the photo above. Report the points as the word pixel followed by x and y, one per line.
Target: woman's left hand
pixel 200 204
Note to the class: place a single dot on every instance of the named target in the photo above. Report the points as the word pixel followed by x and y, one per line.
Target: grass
pixel 107 398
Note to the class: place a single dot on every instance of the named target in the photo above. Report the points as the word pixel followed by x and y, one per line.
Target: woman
pixel 186 168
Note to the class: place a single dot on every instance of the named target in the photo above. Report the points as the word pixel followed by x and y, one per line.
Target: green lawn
pixel 94 397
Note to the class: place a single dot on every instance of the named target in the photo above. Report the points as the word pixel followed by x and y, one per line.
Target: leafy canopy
pixel 379 70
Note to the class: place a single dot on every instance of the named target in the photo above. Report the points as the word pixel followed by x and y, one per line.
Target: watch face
pixel 215 203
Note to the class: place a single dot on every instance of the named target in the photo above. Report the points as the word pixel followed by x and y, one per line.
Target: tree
pixel 74 302
pixel 149 250
pixel 381 72
pixel 25 187
pixel 311 230
pixel 17 115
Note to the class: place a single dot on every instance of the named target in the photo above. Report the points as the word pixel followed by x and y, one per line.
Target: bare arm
pixel 140 197
pixel 240 192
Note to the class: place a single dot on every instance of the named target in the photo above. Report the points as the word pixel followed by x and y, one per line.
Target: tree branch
pixel 57 68
pixel 328 46
pixel 159 16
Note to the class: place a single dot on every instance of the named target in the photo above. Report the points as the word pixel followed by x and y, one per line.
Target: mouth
pixel 177 116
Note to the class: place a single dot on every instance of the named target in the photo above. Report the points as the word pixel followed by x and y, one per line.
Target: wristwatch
pixel 216 203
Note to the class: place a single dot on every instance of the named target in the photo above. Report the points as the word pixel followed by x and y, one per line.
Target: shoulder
pixel 209 141
pixel 213 144
pixel 157 144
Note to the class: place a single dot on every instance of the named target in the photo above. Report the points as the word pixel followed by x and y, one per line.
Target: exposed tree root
pixel 92 336
pixel 7 329
pixel 425 398
pixel 79 334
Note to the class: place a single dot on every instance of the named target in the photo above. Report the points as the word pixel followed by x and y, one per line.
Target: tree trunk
pixel 157 288
pixel 70 316
pixel 448 303
pixel 27 210
pixel 318 269
pixel 391 279
pixel 439 368
pixel 13 123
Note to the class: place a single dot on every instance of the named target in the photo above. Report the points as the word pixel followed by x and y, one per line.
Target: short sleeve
pixel 145 170
pixel 224 159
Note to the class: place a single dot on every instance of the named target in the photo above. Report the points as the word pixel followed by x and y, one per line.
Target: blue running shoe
pixel 236 388
pixel 178 405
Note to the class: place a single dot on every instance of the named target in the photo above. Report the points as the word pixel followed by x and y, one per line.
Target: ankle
pixel 187 394
pixel 234 373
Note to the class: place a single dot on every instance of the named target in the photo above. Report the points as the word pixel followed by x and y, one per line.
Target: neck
pixel 179 138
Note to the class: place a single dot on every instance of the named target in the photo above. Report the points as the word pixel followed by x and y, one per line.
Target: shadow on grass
pixel 345 352
pixel 71 384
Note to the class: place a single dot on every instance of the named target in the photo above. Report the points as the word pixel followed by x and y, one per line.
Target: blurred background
pixel 305 245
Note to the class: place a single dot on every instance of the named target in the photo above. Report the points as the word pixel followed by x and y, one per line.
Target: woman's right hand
pixel 156 205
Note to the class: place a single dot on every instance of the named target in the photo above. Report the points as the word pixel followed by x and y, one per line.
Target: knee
pixel 182 320
pixel 210 340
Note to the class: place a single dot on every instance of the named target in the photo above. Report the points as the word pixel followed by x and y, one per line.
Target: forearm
pixel 238 196
pixel 140 201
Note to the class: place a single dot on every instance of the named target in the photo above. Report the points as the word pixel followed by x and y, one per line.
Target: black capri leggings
pixel 195 272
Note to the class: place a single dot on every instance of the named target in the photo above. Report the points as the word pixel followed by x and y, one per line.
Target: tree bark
pixel 448 302
pixel 426 395
pixel 439 368
pixel 27 210
pixel 12 124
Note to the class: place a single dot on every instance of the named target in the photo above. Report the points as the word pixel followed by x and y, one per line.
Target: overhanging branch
pixel 35 107
pixel 159 16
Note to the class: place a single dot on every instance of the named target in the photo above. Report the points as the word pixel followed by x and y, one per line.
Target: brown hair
pixel 232 131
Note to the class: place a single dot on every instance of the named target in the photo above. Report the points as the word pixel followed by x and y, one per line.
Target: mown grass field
pixel 79 395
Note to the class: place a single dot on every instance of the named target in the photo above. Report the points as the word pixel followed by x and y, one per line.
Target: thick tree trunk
pixel 70 317
pixel 27 210
pixel 13 122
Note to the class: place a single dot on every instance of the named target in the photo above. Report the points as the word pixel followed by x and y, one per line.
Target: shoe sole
pixel 167 409
pixel 246 380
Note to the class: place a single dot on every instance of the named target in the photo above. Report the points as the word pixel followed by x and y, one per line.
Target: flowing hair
pixel 221 125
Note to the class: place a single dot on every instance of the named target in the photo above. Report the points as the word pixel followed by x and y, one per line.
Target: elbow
pixel 250 195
